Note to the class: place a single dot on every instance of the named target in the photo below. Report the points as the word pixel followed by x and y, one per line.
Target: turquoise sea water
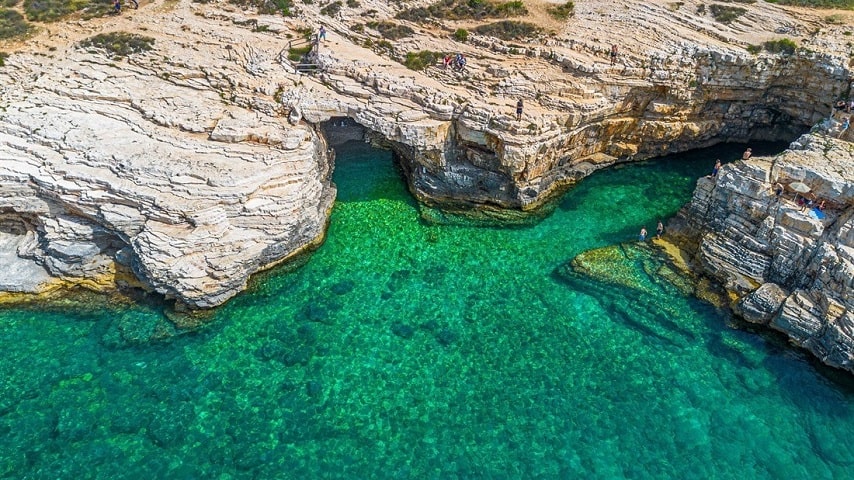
pixel 404 350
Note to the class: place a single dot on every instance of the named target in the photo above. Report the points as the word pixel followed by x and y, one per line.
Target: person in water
pixel 642 236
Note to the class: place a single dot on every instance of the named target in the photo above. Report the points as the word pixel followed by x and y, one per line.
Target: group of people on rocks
pixel 844 106
pixel 458 62
pixel 659 229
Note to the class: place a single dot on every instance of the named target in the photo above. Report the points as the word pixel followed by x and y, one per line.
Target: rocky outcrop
pixel 196 164
pixel 96 178
pixel 782 265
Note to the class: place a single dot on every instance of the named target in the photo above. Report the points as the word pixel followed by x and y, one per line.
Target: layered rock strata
pixel 200 162
pixel 781 264
pixel 95 176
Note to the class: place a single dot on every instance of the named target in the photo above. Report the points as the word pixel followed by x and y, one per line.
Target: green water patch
pixel 402 349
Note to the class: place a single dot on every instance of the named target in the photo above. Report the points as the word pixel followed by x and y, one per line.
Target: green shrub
pixel 464 10
pixel 421 60
pixel 118 44
pixel 783 45
pixel 12 24
pixel 353 3
pixel 296 54
pixel 8 3
pixel 53 10
pixel 701 9
pixel 393 31
pixel 461 35
pixel 508 30
pixel 267 7
pixel 3 57
pixel 725 13
pixel 562 12
pixel 332 9
pixel 846 4
pixel 754 49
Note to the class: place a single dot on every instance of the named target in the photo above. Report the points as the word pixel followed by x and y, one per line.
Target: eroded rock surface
pixel 198 163
pixel 99 167
pixel 781 265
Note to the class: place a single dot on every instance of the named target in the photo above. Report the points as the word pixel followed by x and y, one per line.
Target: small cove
pixel 407 350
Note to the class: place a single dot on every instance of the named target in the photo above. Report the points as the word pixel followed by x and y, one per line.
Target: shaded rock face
pixel 483 159
pixel 782 266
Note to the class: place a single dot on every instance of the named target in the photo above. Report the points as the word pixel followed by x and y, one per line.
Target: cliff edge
pixel 180 146
pixel 784 261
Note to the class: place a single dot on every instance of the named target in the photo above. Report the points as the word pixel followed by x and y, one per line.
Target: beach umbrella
pixel 799 187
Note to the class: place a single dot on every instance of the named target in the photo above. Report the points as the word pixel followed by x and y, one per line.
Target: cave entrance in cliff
pixel 365 167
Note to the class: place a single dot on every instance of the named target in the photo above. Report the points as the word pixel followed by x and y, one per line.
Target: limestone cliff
pixel 95 175
pixel 781 265
pixel 199 162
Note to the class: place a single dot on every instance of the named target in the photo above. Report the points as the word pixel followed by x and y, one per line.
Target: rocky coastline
pixel 185 169
pixel 784 265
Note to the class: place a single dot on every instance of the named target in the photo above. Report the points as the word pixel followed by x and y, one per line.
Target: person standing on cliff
pixel 778 191
pixel 519 106
pixel 747 153
pixel 659 230
pixel 321 34
pixel 613 54
pixel 716 168
pixel 642 236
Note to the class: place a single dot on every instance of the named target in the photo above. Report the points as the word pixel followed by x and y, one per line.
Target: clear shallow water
pixel 402 350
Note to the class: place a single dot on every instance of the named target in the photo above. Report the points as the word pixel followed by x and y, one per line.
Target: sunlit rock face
pixel 782 265
pixel 101 170
pixel 197 163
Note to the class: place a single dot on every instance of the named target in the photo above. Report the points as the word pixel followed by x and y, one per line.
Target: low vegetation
pixel 421 60
pixel 118 44
pixel 8 3
pixel 12 24
pixel 331 9
pixel 725 13
pixel 508 30
pixel 562 12
pixel 53 10
pixel 461 35
pixel 847 4
pixel 464 10
pixel 3 57
pixel 391 30
pixel 267 7
pixel 783 45
pixel 296 54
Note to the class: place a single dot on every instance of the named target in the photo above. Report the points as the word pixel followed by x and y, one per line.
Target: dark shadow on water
pixel 361 174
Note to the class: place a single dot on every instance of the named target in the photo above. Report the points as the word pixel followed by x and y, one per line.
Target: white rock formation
pixel 199 163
